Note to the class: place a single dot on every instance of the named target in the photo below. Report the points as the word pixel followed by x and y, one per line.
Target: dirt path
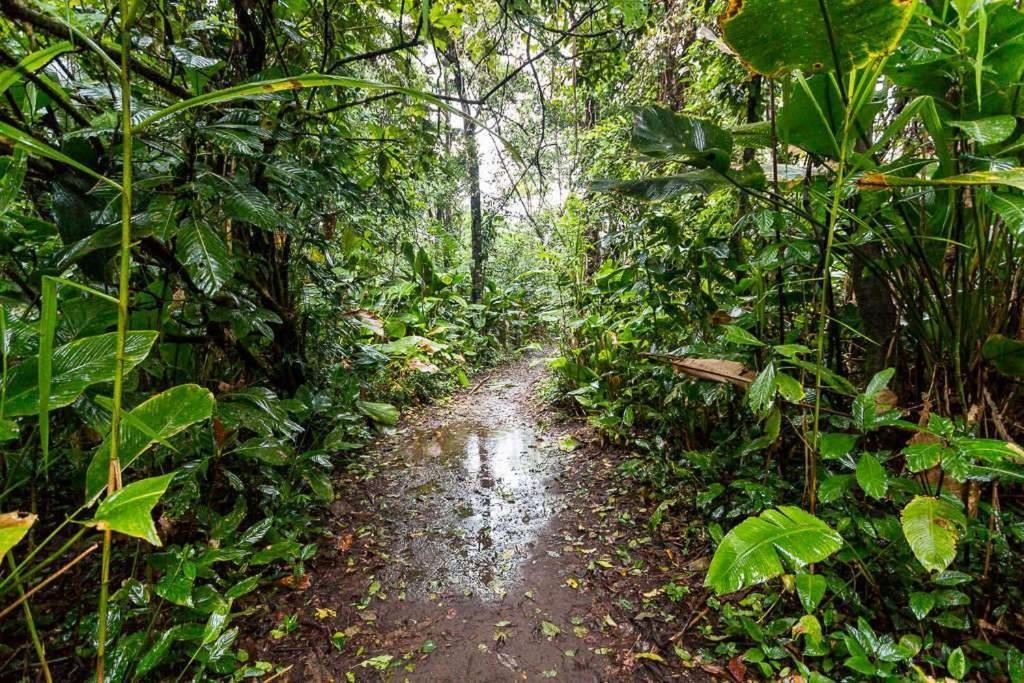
pixel 472 548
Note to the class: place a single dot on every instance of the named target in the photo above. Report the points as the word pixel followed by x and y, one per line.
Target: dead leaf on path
pixel 299 583
pixel 325 613
pixel 737 669
pixel 345 543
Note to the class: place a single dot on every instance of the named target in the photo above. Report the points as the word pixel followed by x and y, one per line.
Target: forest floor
pixel 491 538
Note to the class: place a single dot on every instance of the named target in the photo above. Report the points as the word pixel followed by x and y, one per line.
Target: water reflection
pixel 481 496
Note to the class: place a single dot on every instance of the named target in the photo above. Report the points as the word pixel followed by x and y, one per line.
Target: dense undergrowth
pixel 812 337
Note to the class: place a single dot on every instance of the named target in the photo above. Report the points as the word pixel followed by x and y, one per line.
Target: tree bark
pixel 476 230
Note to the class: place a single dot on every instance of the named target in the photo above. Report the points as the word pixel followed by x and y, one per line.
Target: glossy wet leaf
pixel 932 527
pixel 774 37
pixel 871 476
pixel 921 604
pixel 810 588
pixel 129 511
pixel 754 551
pixel 75 367
pixel 956 664
pixel 13 527
pixel 32 63
pixel 153 421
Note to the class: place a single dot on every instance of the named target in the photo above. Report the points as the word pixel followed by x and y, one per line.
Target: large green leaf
pixel 666 187
pixel 988 131
pixel 932 527
pixel 205 255
pixel 661 133
pixel 13 527
pixel 152 421
pixel 1007 355
pixel 384 413
pixel 754 550
pixel 129 511
pixel 774 37
pixel 75 367
pixel 871 476
pixel 22 140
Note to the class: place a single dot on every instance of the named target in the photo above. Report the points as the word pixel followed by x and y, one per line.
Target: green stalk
pixel 114 472
pixel 30 622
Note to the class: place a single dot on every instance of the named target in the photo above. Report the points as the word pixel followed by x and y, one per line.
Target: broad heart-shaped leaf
pixel 75 367
pixel 13 527
pixel 774 37
pixel 661 133
pixel 152 421
pixel 129 511
pixel 921 604
pixel 664 187
pixel 1007 355
pixel 871 476
pixel 384 413
pixel 988 131
pixel 932 527
pixel 204 254
pixel 753 551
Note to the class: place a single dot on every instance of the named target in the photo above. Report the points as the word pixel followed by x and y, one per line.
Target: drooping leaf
pixel 1009 177
pixel 667 187
pixel 871 476
pixel 1007 355
pixel 12 179
pixel 661 133
pixel 22 140
pixel 761 394
pixel 152 421
pixel 76 366
pixel 754 550
pixel 810 588
pixel 32 63
pixel 988 131
pixel 204 254
pixel 932 527
pixel 13 527
pixel 129 511
pixel 774 37
pixel 384 413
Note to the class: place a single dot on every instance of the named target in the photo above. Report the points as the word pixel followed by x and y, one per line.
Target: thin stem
pixel 114 470
pixel 29 621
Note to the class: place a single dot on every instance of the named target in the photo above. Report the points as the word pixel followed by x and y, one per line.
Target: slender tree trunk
pixel 476 230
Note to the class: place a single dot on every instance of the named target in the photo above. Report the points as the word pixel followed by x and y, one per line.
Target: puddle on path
pixel 471 507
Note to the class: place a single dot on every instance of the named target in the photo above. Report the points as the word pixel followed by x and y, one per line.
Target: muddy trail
pixel 488 539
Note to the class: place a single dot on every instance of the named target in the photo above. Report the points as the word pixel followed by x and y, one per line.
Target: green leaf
pixel 384 413
pixel 932 527
pixel 129 511
pixel 667 187
pixel 789 387
pixel 205 256
pixel 834 446
pixel 921 604
pixel 320 482
pixel 661 133
pixel 13 178
pixel 810 588
pixel 76 366
pixel 1009 177
pixel 47 328
pixel 1005 354
pixel 737 335
pixel 923 456
pixel 32 63
pixel 871 476
pixel 957 664
pixel 835 487
pixel 155 420
pixel 753 551
pixel 22 140
pixel 1015 665
pixel 761 393
pixel 988 131
pixel 774 37
pixel 13 527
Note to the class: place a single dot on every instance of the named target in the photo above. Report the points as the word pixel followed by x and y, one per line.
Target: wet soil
pixel 488 539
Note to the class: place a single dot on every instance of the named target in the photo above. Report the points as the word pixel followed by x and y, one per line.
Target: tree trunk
pixel 476 231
